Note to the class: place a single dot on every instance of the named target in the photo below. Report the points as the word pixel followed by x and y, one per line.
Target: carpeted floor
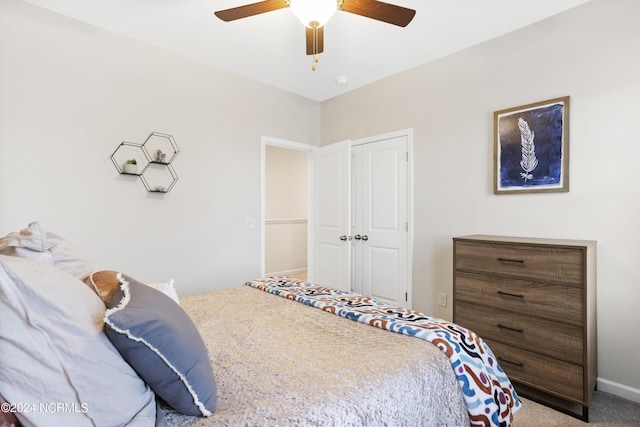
pixel 606 410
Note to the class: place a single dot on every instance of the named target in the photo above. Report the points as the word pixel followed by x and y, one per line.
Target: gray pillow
pixel 162 344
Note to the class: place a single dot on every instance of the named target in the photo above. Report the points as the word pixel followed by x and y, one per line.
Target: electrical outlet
pixel 442 299
pixel 251 222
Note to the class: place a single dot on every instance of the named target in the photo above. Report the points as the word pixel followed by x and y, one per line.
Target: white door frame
pixel 276 142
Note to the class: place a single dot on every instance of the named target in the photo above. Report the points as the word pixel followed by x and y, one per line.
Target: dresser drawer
pixel 530 333
pixel 553 301
pixel 544 373
pixel 542 263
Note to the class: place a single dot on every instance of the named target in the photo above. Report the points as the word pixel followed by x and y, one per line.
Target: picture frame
pixel 531 148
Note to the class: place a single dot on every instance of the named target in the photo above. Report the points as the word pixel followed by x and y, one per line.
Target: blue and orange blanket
pixel 489 395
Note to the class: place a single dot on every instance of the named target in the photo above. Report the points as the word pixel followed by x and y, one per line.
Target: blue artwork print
pixel 531 149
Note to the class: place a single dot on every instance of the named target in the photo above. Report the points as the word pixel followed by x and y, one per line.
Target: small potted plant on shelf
pixel 130 167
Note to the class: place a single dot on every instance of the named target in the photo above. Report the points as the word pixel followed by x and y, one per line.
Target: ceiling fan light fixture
pixel 313 13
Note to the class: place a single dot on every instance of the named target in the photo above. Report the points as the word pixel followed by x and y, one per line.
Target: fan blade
pixel 251 9
pixel 380 11
pixel 315 40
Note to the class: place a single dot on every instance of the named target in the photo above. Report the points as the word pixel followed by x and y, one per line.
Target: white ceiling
pixel 270 47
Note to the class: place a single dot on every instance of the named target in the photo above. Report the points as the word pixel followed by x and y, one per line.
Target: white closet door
pixel 380 233
pixel 330 211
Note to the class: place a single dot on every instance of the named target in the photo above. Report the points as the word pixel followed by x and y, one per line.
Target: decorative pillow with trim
pixel 44 246
pixel 162 344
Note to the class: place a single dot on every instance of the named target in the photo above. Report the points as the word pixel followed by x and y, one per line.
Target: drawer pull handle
pixel 503 360
pixel 509 328
pixel 517 261
pixel 507 294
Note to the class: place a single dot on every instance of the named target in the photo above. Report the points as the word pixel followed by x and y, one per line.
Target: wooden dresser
pixel 534 302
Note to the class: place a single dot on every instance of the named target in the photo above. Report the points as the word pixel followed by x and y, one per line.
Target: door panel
pixel 331 265
pixel 330 214
pixel 385 219
pixel 383 187
pixel 330 210
pixel 384 264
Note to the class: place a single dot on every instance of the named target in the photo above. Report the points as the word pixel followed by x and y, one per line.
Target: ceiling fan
pixel 314 14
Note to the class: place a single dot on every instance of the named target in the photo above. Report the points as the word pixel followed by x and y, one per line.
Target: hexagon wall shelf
pixel 159 178
pixel 154 167
pixel 160 148
pixel 126 151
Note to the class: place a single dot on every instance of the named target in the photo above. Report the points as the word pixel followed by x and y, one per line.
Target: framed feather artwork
pixel 532 148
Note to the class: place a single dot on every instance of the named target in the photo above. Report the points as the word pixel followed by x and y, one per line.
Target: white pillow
pixel 37 244
pixel 167 289
pixel 54 351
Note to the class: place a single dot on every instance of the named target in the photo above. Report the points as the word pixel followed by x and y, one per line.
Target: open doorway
pixel 285 196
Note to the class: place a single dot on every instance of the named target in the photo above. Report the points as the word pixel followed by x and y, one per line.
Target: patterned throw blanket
pixel 488 393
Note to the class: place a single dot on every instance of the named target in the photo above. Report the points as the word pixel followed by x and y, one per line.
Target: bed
pixel 100 348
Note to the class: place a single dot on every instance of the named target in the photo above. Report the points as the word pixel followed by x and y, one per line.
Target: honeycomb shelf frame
pixel 160 163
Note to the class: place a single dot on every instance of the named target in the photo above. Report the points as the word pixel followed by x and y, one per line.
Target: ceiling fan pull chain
pixel 316 49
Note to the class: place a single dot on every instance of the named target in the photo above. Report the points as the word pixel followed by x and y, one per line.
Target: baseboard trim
pixel 287 272
pixel 620 390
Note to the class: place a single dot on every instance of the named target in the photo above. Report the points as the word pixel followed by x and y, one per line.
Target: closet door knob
pixel 357 237
pixel 343 237
pixel 365 237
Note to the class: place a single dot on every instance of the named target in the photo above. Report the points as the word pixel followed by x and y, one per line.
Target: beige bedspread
pixel 280 363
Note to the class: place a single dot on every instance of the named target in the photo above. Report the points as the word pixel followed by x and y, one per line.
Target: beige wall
pixel 70 93
pixel 591 54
